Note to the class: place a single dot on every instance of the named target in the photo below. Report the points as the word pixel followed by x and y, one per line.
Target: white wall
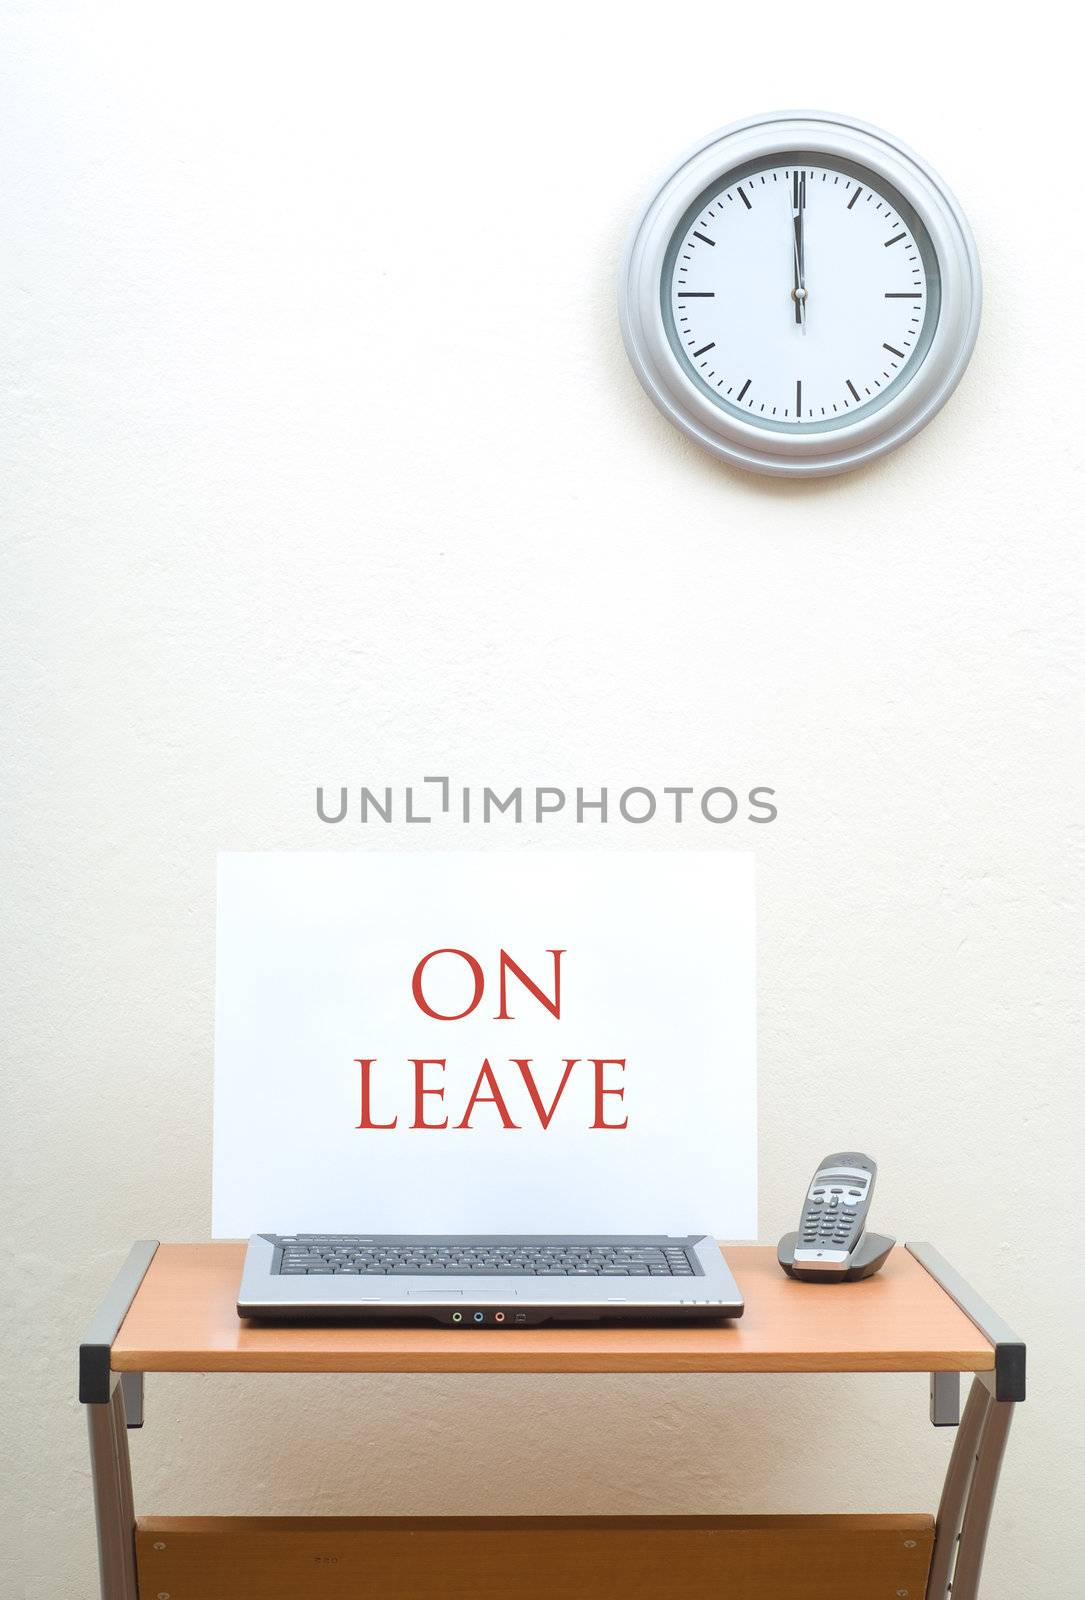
pixel 324 464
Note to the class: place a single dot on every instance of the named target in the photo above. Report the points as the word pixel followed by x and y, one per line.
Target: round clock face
pixel 801 294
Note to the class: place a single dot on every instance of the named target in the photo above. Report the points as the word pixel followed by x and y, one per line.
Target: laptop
pixel 492 1280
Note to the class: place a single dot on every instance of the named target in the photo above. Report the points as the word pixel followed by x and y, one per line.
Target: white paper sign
pixel 485 1043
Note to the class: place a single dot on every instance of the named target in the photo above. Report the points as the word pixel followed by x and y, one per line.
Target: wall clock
pixel 800 294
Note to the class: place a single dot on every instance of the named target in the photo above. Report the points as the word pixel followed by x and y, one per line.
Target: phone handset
pixel 831 1244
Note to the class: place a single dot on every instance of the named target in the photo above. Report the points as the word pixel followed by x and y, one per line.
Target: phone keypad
pixel 831 1212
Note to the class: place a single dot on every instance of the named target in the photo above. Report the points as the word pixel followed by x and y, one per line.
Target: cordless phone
pixel 831 1244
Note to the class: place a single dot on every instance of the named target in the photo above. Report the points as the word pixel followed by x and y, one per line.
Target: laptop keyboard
pixel 319 1254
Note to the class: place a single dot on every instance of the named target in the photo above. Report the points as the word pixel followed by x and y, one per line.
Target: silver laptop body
pixel 471 1280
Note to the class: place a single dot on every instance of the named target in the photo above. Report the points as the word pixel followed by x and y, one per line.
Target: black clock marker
pixel 852 387
pixel 798 398
pixel 897 237
pixel 696 294
pixel 745 201
pixel 855 197
pixel 897 296
pixel 745 386
pixel 893 350
pixel 703 349
pixel 704 238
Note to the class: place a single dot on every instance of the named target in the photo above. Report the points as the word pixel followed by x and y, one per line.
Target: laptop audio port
pixel 499 1316
pixel 457 1316
pixel 480 1316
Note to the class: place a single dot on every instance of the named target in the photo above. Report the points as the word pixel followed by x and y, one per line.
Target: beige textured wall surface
pixel 324 464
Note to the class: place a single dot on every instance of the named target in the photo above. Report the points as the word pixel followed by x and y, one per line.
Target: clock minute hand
pixel 798 217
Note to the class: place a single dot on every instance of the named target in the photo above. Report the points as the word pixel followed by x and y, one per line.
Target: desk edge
pixel 96 1349
pixel 1009 1347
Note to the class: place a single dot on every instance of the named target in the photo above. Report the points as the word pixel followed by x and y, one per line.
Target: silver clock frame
pixel 676 392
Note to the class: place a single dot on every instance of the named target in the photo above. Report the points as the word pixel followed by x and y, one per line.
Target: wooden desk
pixel 172 1309
pixel 184 1320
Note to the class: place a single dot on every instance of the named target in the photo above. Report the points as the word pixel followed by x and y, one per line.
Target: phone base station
pixel 869 1254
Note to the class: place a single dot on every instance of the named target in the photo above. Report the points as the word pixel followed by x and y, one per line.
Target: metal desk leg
pixel 114 1403
pixel 981 1495
pixel 114 1513
pixel 972 1476
pixel 964 1512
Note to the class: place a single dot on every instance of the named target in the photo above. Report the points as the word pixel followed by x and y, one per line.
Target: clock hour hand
pixel 798 232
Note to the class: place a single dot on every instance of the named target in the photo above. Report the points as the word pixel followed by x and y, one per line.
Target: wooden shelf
pixel 184 1319
pixel 534 1558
